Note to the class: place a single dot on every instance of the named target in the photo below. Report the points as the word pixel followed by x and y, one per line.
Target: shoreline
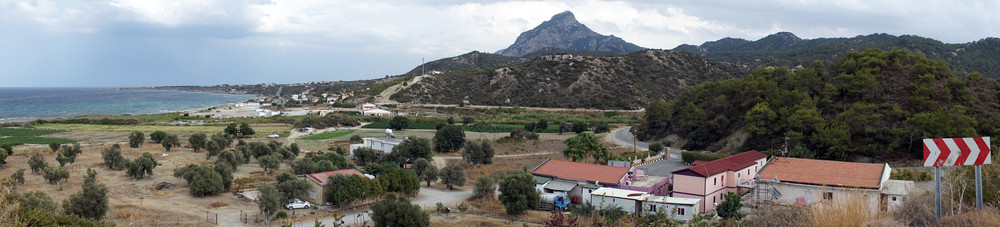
pixel 8 120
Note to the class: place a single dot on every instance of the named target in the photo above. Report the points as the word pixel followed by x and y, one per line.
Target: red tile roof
pixel 581 171
pixel 731 163
pixel 320 178
pixel 824 172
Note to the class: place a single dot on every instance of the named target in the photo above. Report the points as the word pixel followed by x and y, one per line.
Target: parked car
pixel 273 136
pixel 297 204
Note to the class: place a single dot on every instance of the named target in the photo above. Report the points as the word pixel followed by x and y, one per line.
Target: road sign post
pixel 957 152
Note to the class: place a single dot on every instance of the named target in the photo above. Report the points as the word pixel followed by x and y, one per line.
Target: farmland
pixel 29 136
pixel 260 129
pixel 328 135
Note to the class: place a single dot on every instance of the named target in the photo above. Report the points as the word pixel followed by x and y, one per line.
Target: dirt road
pixel 384 97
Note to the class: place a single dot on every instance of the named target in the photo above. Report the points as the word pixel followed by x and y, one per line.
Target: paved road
pixel 623 137
pixel 665 166
pixel 429 197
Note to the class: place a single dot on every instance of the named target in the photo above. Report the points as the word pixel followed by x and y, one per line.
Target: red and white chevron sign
pixel 957 151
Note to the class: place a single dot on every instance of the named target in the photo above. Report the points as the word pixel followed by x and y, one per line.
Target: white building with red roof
pixel 805 181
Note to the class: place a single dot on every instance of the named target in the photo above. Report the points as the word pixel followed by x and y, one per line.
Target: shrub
pixel 281 215
pixel 484 187
pixel 463 207
pixel 157 136
pixel 355 138
pixel 690 156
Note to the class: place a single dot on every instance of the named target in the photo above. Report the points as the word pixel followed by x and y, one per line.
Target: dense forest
pixel 787 50
pixel 874 103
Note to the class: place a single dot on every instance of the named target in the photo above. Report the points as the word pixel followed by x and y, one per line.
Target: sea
pixel 27 104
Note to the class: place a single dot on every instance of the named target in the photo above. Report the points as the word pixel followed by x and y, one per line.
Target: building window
pixel 680 211
pixel 713 199
pixel 748 170
pixel 828 195
pixel 652 208
pixel 738 175
pixel 893 198
pixel 312 193
pixel 715 181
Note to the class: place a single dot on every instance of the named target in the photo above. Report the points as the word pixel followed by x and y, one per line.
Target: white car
pixel 273 136
pixel 297 204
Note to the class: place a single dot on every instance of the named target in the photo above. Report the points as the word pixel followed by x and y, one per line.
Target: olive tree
pixel 157 136
pixel 91 202
pixel 396 210
pixel 268 200
pixel 55 176
pixel 448 139
pixel 37 163
pixel 197 141
pixel 453 175
pixel 170 141
pixel 113 158
pixel 269 162
pixel 142 166
pixel 136 139
pixel 518 193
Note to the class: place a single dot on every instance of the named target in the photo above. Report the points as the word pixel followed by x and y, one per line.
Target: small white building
pixel 681 209
pixel 381 145
pixel 610 198
pixel 896 192
pixel 368 106
pixel 376 112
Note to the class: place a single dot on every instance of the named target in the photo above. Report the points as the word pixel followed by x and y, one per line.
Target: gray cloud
pixel 172 42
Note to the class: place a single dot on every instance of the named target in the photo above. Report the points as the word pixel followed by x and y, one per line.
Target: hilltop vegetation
pixel 569 81
pixel 787 50
pixel 873 103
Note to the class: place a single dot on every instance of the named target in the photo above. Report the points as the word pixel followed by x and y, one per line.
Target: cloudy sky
pixel 117 43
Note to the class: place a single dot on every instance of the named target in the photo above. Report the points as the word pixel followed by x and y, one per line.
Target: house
pixel 710 181
pixel 682 209
pixel 381 145
pixel 368 106
pixel 376 112
pixel 318 182
pixel 806 181
pixel 578 180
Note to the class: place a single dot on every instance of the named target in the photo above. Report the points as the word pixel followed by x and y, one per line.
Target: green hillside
pixel 867 104
pixel 787 50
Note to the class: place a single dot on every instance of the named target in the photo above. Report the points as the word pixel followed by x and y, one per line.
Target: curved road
pixel 623 137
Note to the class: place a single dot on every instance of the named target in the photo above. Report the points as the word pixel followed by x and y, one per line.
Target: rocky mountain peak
pixel 564 32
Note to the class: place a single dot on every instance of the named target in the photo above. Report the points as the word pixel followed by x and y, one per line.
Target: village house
pixel 381 145
pixel 318 182
pixel 578 180
pixel 376 112
pixel 681 209
pixel 806 181
pixel 710 181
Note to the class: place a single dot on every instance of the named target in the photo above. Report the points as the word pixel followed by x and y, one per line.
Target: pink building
pixel 710 181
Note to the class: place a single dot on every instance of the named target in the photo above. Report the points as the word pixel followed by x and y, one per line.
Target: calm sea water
pixel 26 104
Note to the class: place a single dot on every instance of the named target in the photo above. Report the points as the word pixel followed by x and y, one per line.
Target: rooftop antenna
pixel 422 62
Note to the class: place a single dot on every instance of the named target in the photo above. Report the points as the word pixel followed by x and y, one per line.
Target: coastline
pixel 138 112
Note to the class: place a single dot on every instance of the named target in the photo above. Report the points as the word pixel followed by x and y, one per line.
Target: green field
pixel 261 130
pixel 29 136
pixel 328 135
pixel 412 125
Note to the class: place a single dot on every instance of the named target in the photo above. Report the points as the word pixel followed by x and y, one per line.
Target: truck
pixel 550 201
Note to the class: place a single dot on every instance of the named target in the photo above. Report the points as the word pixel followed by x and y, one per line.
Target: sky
pixel 135 43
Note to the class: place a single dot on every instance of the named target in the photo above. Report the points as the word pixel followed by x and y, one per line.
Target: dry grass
pixel 851 211
pixel 988 216
pixel 218 204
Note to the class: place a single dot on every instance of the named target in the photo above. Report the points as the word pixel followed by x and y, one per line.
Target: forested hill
pixel 875 103
pixel 787 50
pixel 573 81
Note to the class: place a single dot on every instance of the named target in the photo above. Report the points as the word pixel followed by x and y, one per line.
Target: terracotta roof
pixel 581 171
pixel 731 163
pixel 824 172
pixel 320 178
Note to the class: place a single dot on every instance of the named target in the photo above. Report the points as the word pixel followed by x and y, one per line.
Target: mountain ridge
pixel 787 50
